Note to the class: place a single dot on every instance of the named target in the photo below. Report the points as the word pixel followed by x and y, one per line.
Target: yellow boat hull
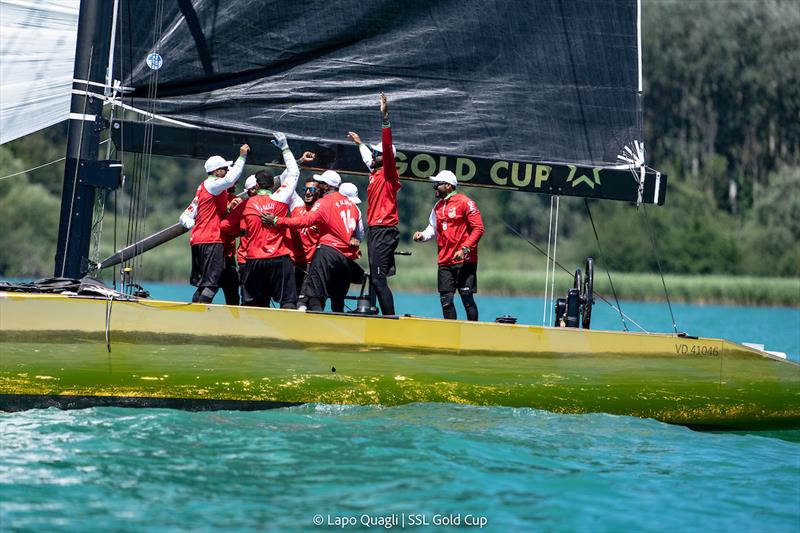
pixel 56 352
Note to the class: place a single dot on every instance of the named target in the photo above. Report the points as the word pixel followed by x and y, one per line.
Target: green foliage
pixel 745 290
pixel 722 120
pixel 29 223
pixel 691 236
pixel 722 94
pixel 772 231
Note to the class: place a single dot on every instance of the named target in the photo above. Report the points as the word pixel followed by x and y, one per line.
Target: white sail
pixel 37 56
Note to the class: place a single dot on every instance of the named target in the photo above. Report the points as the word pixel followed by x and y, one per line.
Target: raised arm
pixel 288 177
pixel 217 185
pixel 366 153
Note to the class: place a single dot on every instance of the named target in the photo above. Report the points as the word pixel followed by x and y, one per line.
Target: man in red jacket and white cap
pixel 384 183
pixel 341 231
pixel 203 217
pixel 456 223
pixel 269 274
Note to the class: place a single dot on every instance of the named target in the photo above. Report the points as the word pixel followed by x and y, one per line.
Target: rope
pixel 603 259
pixel 518 234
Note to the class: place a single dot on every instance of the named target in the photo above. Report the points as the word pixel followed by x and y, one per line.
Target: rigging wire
pixel 40 166
pixel 547 263
pixel 141 169
pixel 640 182
pixel 553 273
pixel 538 249
pixel 658 262
pixel 34 168
pixel 605 265
pixel 75 176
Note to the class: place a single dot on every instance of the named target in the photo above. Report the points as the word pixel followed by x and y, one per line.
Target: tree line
pixel 722 119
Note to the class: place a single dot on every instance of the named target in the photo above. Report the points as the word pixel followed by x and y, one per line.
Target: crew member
pixel 229 279
pixel 251 188
pixel 203 217
pixel 304 240
pixel 382 234
pixel 341 231
pixel 269 274
pixel 457 225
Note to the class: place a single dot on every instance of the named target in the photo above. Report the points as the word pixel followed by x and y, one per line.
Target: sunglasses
pixel 312 190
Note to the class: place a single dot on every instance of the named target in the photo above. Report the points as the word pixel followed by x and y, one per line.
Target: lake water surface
pixel 426 467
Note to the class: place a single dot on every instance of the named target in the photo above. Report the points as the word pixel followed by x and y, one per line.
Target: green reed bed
pixel 744 290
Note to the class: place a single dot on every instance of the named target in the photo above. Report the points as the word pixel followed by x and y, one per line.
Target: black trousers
pixel 382 242
pixel 461 277
pixel 207 265
pixel 229 281
pixel 269 279
pixel 328 277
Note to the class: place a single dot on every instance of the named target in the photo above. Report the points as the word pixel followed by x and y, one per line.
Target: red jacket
pixel 263 242
pixel 210 212
pixel 228 240
pixel 304 240
pixel 337 219
pixel 383 186
pixel 456 223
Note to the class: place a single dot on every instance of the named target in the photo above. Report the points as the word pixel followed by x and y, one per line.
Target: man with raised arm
pixel 457 225
pixel 341 231
pixel 269 274
pixel 203 217
pixel 382 234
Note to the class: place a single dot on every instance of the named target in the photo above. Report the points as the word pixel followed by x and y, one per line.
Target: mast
pixel 82 172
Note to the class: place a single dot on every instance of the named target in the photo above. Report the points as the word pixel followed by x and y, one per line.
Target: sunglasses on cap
pixel 312 190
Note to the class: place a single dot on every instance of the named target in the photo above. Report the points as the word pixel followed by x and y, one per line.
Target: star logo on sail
pixel 583 178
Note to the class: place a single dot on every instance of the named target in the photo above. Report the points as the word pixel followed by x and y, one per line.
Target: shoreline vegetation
pixel 721 102
pixel 632 286
pixel 695 289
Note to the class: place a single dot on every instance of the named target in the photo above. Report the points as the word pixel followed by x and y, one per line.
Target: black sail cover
pixel 513 81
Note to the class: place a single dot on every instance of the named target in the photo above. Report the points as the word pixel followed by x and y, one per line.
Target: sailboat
pixel 542 98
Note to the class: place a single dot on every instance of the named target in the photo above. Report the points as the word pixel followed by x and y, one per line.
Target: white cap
pixel 351 191
pixel 250 182
pixel 216 162
pixel 331 177
pixel 379 148
pixel 445 176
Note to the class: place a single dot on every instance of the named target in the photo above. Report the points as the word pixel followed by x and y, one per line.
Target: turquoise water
pixel 410 467
pixel 516 469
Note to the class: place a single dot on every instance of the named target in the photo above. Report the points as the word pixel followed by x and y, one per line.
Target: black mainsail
pixel 487 90
pixel 532 96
